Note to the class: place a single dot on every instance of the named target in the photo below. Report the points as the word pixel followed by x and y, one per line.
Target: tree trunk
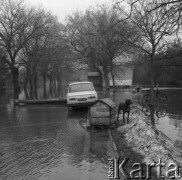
pixel 26 92
pixel 60 83
pixel 15 74
pixel 25 87
pixel 113 80
pixel 31 87
pixel 100 76
pixel 44 84
pixel 50 85
pixel 152 90
pixel 35 84
pixel 106 78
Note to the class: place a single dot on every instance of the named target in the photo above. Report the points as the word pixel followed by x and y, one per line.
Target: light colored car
pixel 81 94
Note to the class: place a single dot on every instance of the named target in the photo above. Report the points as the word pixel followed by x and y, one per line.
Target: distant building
pixel 123 76
pixel 95 78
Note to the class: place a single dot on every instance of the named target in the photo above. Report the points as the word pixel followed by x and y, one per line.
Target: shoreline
pixel 142 143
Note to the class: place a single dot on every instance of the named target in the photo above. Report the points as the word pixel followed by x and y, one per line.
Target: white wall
pixel 123 76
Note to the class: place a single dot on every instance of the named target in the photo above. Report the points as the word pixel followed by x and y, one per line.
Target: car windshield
pixel 81 87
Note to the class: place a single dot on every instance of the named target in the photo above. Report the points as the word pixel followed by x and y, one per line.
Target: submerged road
pixel 47 143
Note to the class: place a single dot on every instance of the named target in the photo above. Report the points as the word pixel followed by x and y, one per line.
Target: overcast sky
pixel 61 8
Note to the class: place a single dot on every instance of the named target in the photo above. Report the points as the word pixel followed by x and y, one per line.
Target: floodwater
pixel 46 142
pixel 171 124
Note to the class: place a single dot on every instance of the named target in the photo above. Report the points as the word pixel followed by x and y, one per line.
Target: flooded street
pixel 46 142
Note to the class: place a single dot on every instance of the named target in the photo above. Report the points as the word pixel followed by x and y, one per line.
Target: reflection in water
pixel 46 142
pixel 169 116
pixel 54 93
pixel 41 141
pixel 171 124
pixel 155 112
pixel 170 128
pixel 170 121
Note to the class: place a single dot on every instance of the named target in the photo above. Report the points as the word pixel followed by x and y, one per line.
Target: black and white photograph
pixel 90 89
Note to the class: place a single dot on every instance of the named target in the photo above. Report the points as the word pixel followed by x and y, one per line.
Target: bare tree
pixel 18 25
pixel 29 59
pixel 44 55
pixel 96 42
pixel 174 5
pixel 153 30
pixel 55 56
pixel 3 70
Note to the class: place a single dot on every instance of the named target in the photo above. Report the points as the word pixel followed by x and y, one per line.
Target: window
pixel 81 87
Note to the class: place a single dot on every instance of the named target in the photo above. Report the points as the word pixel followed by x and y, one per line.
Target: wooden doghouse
pixel 102 112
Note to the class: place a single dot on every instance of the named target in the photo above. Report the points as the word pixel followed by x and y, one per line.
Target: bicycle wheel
pixel 146 100
pixel 161 112
pixel 146 110
pixel 161 96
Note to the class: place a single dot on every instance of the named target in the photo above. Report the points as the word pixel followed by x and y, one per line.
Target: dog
pixel 125 107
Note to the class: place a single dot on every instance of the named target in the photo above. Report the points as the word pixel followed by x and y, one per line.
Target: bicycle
pixel 159 111
pixel 161 96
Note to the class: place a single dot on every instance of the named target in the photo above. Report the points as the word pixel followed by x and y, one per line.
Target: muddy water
pixel 171 124
pixel 47 142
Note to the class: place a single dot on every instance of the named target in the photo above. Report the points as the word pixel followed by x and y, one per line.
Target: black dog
pixel 125 107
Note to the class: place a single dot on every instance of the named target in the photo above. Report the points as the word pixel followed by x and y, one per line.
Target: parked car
pixel 81 94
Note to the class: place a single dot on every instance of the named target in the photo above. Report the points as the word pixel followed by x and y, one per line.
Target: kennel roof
pixel 107 101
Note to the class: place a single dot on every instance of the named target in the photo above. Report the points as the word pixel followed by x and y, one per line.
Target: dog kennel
pixel 102 112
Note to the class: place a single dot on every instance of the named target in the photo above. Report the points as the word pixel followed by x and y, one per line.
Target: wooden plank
pixel 100 121
pixel 43 101
pixel 99 114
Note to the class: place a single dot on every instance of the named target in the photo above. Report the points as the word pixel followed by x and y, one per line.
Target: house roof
pixel 108 102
